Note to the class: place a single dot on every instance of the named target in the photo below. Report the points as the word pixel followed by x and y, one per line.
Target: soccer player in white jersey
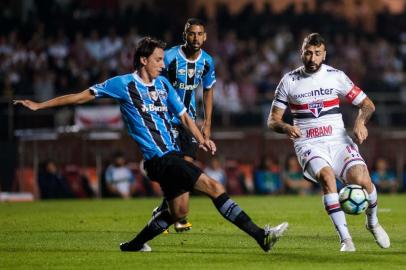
pixel 321 143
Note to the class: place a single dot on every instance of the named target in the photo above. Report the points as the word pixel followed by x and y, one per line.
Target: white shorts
pixel 339 155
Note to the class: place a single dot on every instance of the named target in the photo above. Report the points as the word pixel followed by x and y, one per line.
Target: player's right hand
pixel 208 145
pixel 293 132
pixel 27 103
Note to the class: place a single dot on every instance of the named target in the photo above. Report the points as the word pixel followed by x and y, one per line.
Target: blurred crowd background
pixel 50 48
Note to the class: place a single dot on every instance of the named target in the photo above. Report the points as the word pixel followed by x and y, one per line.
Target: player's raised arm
pixel 366 109
pixel 204 143
pixel 208 110
pixel 276 123
pixel 78 98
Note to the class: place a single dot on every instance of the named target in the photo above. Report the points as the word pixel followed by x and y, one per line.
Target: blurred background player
pixel 52 184
pixel 187 66
pixel 146 100
pixel 292 178
pixel 383 177
pixel 120 180
pixel 322 145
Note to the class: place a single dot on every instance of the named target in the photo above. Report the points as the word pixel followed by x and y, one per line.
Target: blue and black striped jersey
pixel 186 75
pixel 146 110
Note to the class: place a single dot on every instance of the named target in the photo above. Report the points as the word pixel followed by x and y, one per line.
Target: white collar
pixel 182 54
pixel 139 79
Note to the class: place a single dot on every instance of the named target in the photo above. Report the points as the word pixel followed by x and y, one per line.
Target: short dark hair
pixel 145 47
pixel 193 21
pixel 314 39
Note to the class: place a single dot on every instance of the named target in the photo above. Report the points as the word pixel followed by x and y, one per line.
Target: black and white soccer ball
pixel 354 200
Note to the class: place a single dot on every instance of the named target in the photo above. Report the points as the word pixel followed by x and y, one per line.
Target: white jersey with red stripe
pixel 314 102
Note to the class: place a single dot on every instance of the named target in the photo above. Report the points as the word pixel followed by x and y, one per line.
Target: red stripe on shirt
pixel 326 104
pixel 354 92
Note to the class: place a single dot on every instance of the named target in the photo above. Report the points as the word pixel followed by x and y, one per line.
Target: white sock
pixel 337 215
pixel 371 212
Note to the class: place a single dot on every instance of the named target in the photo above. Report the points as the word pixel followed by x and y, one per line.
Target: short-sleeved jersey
pixel 314 101
pixel 186 75
pixel 146 110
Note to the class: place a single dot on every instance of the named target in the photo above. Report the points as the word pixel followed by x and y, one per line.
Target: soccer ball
pixel 354 200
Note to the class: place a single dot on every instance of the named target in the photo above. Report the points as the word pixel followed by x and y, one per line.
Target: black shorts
pixel 187 143
pixel 174 174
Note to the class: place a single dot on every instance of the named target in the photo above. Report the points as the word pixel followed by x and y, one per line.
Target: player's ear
pixel 204 37
pixel 143 60
pixel 324 56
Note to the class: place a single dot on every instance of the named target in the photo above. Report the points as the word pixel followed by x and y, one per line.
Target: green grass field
pixel 85 235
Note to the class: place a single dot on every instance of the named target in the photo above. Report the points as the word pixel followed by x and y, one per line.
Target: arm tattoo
pixel 366 110
pixel 275 121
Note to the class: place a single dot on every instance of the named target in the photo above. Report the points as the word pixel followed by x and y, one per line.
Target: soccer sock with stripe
pixel 154 227
pixel 371 212
pixel 163 206
pixel 336 214
pixel 233 213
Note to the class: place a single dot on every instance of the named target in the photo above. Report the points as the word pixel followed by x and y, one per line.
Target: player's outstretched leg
pixel 230 210
pixel 372 224
pixel 155 226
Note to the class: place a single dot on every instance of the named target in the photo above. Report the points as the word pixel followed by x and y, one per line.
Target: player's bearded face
pixel 195 36
pixel 313 57
pixel 155 63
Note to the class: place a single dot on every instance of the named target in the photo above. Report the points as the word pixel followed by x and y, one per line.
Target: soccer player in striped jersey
pixel 186 67
pixel 146 101
pixel 322 145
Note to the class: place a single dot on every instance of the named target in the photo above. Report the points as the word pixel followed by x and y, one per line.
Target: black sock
pixel 233 213
pixel 154 227
pixel 163 206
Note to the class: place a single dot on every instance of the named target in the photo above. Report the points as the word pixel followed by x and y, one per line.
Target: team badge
pixel 316 107
pixel 153 95
pixel 190 73
pixel 181 71
pixel 162 94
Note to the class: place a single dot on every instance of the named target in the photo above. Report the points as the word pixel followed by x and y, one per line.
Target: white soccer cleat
pixel 381 237
pixel 272 235
pixel 347 245
pixel 145 248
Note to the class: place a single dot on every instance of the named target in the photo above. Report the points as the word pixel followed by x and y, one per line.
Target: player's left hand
pixel 208 145
pixel 360 133
pixel 27 103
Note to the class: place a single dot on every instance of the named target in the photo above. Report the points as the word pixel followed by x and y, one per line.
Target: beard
pixel 312 67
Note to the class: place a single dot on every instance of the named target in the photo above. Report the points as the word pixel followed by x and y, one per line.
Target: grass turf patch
pixel 85 235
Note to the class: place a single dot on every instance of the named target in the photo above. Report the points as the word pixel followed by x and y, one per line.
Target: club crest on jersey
pixel 190 73
pixel 153 95
pixel 181 72
pixel 316 107
pixel 163 94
